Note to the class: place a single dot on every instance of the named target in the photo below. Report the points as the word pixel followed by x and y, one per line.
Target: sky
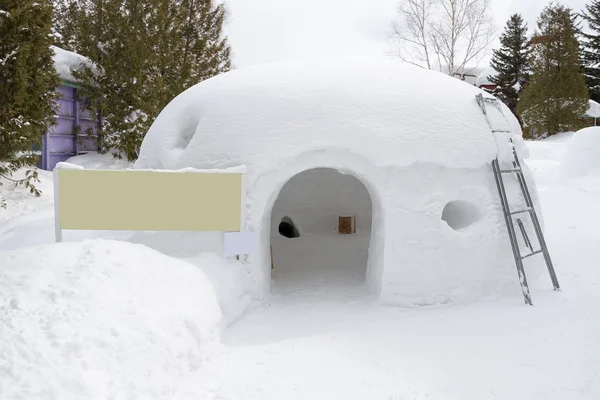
pixel 263 31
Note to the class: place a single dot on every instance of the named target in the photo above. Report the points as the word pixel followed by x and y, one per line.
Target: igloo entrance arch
pixel 309 253
pixel 307 197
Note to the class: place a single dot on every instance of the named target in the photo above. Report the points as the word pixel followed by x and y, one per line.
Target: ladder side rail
pixel 537 226
pixel 522 182
pixel 511 233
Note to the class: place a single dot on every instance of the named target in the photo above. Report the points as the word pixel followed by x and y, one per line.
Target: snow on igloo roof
pixel 262 116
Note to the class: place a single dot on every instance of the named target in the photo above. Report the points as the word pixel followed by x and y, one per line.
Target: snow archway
pixel 345 164
pixel 321 259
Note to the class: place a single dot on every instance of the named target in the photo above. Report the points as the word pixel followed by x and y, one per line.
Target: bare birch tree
pixel 444 34
pixel 410 37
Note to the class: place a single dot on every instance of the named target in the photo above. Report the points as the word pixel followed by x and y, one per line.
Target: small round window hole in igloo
pixel 288 229
pixel 460 214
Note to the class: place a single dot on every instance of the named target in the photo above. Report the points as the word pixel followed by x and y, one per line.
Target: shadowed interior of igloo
pixel 309 252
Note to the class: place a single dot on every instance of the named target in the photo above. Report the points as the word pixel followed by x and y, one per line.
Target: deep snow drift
pixel 105 320
pixel 583 153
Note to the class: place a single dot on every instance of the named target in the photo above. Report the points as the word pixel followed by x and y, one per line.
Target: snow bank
pixel 558 138
pixel 65 62
pixel 19 201
pixel 233 286
pixel 583 153
pixel 94 160
pixel 593 110
pixel 262 116
pixel 105 319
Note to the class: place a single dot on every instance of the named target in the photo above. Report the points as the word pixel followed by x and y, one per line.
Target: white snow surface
pixel 593 109
pixel 322 344
pixel 415 140
pixel 318 338
pixel 93 160
pixel 65 62
pixel 583 153
pixel 261 116
pixel 105 320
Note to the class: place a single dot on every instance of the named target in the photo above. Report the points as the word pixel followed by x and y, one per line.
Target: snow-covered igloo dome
pixel 404 150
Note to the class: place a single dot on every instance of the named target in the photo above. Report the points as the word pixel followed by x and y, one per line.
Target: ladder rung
pixel 531 254
pixel 521 211
pixel 506 171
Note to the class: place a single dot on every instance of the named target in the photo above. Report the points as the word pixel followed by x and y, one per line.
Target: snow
pixel 93 160
pixel 317 336
pixel 29 221
pixel 491 350
pixel 593 110
pixel 377 123
pixel 65 62
pixel 583 153
pixel 20 201
pixel 262 115
pixel 104 319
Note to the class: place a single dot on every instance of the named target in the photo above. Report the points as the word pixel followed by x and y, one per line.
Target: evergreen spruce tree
pixel 591 48
pixel 145 54
pixel 28 82
pixel 512 62
pixel 556 97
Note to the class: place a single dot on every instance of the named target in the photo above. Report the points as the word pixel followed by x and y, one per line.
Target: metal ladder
pixel 508 214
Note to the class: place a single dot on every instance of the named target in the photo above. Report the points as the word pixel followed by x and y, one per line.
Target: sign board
pixel 139 200
pixel 240 243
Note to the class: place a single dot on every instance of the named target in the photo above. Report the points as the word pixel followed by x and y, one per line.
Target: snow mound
pixel 593 110
pixel 65 62
pixel 558 138
pixel 583 153
pixel 105 319
pixel 95 160
pixel 262 116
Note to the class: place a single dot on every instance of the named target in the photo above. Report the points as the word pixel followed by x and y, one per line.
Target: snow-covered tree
pixel 28 84
pixel 511 62
pixel 145 53
pixel 556 96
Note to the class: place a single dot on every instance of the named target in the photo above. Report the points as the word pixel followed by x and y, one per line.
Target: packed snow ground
pixel 323 348
pixel 310 341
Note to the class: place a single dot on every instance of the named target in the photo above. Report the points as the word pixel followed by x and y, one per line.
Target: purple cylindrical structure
pixel 62 141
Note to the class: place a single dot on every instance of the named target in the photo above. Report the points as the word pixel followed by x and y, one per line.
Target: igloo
pixel 405 151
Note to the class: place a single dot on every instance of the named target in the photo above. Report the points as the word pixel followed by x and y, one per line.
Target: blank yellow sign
pixel 149 200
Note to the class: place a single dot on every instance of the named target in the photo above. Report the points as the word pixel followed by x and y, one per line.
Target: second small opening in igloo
pixel 460 214
pixel 308 252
